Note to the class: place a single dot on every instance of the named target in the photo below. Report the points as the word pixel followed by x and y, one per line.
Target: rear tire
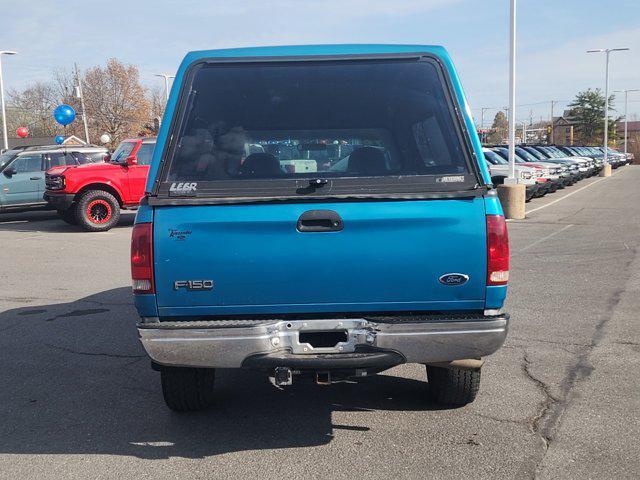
pixel 69 215
pixel 188 389
pixel 453 386
pixel 97 211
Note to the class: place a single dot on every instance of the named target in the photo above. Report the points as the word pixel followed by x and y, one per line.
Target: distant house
pixel 633 131
pixel 632 128
pixel 73 140
pixel 563 131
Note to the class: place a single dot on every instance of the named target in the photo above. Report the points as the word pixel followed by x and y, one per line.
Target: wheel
pixel 187 389
pixel 69 215
pixel 97 211
pixel 452 386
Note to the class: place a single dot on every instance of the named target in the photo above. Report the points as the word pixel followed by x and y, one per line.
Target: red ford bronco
pixel 92 195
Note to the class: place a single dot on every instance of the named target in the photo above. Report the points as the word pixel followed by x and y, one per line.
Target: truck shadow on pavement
pixel 49 221
pixel 76 380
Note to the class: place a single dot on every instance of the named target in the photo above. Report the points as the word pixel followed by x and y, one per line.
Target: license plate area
pixel 323 339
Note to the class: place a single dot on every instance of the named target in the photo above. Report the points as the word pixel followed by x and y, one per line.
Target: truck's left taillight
pixel 497 250
pixel 142 258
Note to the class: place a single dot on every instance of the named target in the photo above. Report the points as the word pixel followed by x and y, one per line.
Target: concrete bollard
pixel 512 197
pixel 606 170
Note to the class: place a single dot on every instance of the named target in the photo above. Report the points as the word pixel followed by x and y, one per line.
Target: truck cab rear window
pixel 334 120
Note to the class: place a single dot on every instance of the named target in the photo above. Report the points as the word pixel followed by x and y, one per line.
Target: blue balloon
pixel 59 139
pixel 64 114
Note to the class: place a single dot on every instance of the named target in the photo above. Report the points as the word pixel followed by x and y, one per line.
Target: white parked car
pixel 529 176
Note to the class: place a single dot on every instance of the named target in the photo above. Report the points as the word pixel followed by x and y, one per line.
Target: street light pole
pixel 512 194
pixel 626 105
pixel 606 170
pixel 551 136
pixel 4 114
pixel 80 95
pixel 166 84
pixel 482 135
pixel 512 95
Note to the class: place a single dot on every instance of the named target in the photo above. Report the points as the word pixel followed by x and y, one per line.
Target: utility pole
pixel 482 135
pixel 81 97
pixel 551 139
pixel 626 119
pixel 606 171
pixel 482 110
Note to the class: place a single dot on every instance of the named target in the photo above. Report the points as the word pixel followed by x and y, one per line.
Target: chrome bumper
pixel 226 344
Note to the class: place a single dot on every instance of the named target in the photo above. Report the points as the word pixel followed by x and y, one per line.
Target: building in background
pixel 563 131
pixel 633 134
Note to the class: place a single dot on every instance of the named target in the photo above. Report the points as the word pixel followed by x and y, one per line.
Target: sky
pixel 553 37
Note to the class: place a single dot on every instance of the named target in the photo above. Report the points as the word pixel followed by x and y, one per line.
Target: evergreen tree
pixel 499 129
pixel 587 112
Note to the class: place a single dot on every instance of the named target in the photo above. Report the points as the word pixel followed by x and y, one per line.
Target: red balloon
pixel 23 132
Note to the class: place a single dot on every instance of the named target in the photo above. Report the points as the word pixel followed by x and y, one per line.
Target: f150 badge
pixel 454 279
pixel 193 285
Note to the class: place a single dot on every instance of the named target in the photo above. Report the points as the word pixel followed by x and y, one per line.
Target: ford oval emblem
pixel 454 279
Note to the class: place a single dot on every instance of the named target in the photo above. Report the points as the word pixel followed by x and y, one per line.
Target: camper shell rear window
pixel 283 129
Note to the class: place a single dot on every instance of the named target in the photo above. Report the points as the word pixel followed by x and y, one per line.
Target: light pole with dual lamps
pixel 4 114
pixel 511 193
pixel 606 169
pixel 166 84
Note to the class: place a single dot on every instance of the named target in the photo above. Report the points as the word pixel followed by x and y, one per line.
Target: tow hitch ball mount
pixel 283 376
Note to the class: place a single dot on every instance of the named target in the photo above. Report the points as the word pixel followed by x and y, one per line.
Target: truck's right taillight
pixel 142 258
pixel 497 250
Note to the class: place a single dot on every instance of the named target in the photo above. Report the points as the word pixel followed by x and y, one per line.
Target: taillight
pixel 142 258
pixel 497 250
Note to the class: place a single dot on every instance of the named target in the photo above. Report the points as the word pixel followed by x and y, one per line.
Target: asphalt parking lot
pixel 560 400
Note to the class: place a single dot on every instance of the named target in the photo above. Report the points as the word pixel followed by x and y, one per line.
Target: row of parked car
pixel 548 168
pixel 89 187
pixel 85 184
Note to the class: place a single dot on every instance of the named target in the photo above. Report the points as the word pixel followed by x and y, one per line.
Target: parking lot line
pixel 569 194
pixel 540 240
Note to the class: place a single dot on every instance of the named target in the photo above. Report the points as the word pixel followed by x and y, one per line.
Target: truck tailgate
pixel 386 258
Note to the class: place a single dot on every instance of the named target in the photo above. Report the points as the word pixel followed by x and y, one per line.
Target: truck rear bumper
pixel 359 343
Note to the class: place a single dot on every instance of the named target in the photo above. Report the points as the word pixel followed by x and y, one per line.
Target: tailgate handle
pixel 320 221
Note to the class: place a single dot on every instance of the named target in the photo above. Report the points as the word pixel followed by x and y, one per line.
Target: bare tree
pixel 156 105
pixel 32 108
pixel 115 100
